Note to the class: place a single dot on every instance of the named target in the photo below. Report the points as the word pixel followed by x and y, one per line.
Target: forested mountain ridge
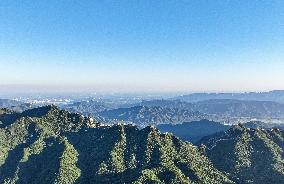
pixel 226 107
pixel 89 108
pixel 151 115
pixel 248 155
pixel 48 145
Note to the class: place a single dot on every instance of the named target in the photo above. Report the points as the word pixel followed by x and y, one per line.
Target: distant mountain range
pixel 196 130
pixel 228 110
pixel 15 105
pixel 262 125
pixel 177 111
pixel 241 108
pixel 49 145
pixel 226 107
pixel 276 96
pixel 193 131
pixel 145 115
pixel 90 107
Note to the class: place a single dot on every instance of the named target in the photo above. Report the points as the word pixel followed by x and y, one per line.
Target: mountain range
pixel 176 111
pixel 49 145
pixel 226 107
pixel 275 95
pixel 15 105
pixel 146 115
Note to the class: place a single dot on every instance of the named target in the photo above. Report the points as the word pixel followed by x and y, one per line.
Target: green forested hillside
pixel 48 145
pixel 248 155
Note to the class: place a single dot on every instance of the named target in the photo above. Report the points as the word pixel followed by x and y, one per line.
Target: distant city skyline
pixel 142 46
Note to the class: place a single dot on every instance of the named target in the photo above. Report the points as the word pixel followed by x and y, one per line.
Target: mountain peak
pixel 41 111
pixel 239 126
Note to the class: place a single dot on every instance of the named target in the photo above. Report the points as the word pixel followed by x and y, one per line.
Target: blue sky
pixel 161 45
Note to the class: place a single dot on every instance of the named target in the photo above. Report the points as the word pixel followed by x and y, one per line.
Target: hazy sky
pixel 131 45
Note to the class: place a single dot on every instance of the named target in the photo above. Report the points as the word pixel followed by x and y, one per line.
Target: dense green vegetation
pixel 49 145
pixel 248 155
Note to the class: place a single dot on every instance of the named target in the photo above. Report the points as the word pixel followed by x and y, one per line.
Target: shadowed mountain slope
pixel 193 131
